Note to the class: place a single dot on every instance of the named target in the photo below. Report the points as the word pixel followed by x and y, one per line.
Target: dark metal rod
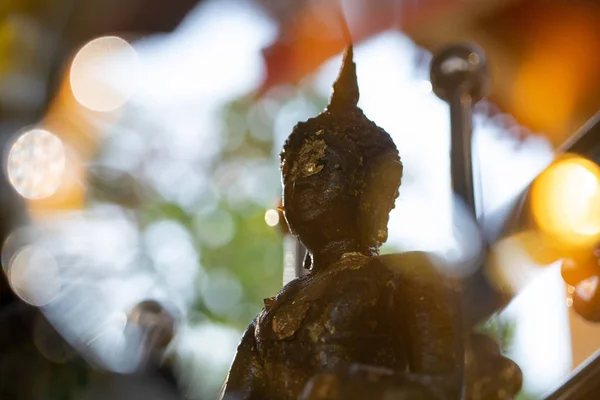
pixel 461 159
pixel 479 298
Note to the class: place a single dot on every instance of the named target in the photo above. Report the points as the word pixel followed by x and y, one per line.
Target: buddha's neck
pixel 334 251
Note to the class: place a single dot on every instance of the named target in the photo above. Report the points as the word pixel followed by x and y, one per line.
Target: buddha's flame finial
pixel 345 89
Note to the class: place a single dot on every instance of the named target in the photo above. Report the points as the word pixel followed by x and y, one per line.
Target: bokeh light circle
pixel 34 276
pixel 90 75
pixel 587 288
pixel 272 217
pixel 565 201
pixel 36 163
pixel 16 240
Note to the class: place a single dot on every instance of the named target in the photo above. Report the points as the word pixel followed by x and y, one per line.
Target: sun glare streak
pixel 115 322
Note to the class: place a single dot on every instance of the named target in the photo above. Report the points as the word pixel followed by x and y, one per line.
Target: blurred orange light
pixel 559 64
pixel 565 201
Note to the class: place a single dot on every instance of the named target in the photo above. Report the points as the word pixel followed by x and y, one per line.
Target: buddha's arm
pixel 432 316
pixel 424 311
pixel 428 313
pixel 246 380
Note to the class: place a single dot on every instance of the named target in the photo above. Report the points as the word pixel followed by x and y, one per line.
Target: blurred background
pixel 140 144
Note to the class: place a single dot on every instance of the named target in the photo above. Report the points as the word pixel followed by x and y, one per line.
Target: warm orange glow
pixel 540 247
pixel 313 32
pixel 579 267
pixel 78 128
pixel 565 201
pixel 70 195
pixel 548 106
pixel 560 62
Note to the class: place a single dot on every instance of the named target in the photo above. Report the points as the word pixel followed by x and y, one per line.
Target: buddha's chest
pixel 344 318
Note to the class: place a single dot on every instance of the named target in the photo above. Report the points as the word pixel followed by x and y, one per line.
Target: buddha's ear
pixel 377 199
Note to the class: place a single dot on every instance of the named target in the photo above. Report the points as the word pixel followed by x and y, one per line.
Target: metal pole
pixel 461 158
pixel 459 77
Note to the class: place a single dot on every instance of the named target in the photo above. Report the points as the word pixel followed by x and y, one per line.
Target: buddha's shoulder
pixel 412 263
pixel 354 270
pixel 421 269
pixel 408 264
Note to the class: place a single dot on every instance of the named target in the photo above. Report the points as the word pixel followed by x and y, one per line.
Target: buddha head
pixel 341 175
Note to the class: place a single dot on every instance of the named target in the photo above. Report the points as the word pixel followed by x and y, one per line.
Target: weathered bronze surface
pixel 489 375
pixel 358 325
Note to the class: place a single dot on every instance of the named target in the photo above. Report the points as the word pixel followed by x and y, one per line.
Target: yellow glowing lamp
pixel 565 202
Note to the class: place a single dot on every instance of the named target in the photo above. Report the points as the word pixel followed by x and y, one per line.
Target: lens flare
pixel 36 163
pixel 90 75
pixel 565 201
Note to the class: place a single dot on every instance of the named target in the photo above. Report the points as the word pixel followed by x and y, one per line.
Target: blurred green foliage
pixel 226 221
pixel 501 329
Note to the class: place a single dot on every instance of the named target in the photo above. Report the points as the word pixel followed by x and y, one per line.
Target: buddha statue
pixel 356 319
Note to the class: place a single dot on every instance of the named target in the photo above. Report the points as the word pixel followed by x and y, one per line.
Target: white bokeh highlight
pixel 92 80
pixel 36 163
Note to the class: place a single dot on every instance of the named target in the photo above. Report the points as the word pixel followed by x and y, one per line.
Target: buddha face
pixel 332 194
pixel 318 203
